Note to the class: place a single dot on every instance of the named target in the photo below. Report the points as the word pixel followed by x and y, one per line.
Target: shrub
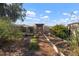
pixel 23 29
pixel 74 39
pixel 8 31
pixel 33 44
pixel 74 43
pixel 60 31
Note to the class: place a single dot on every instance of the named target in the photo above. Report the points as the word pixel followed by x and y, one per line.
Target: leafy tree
pixel 61 31
pixel 14 11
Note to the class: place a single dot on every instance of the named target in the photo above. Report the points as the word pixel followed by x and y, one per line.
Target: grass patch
pixel 33 44
pixel 74 44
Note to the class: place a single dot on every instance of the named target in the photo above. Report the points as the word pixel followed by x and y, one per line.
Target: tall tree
pixel 14 11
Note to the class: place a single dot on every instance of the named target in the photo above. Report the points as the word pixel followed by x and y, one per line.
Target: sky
pixel 50 13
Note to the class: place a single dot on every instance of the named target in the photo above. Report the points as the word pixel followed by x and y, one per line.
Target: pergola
pixel 39 28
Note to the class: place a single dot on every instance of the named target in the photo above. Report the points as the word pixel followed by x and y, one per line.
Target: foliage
pixel 33 44
pixel 13 11
pixel 22 28
pixel 74 39
pixel 74 43
pixel 8 31
pixel 60 31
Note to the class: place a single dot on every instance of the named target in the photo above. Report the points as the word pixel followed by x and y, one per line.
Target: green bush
pixel 33 44
pixel 8 31
pixel 60 31
pixel 22 29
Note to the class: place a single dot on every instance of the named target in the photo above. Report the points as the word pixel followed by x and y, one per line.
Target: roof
pixel 73 23
pixel 39 24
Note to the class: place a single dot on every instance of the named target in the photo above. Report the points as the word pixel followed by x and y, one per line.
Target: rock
pixel 7 54
pixel 1 52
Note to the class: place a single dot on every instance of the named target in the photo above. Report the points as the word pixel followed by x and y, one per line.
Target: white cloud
pixel 32 19
pixel 44 17
pixel 75 12
pixel 66 14
pixel 47 11
pixel 36 19
pixel 18 22
pixel 63 21
pixel 30 14
pixel 72 17
pixel 67 20
pixel 28 18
